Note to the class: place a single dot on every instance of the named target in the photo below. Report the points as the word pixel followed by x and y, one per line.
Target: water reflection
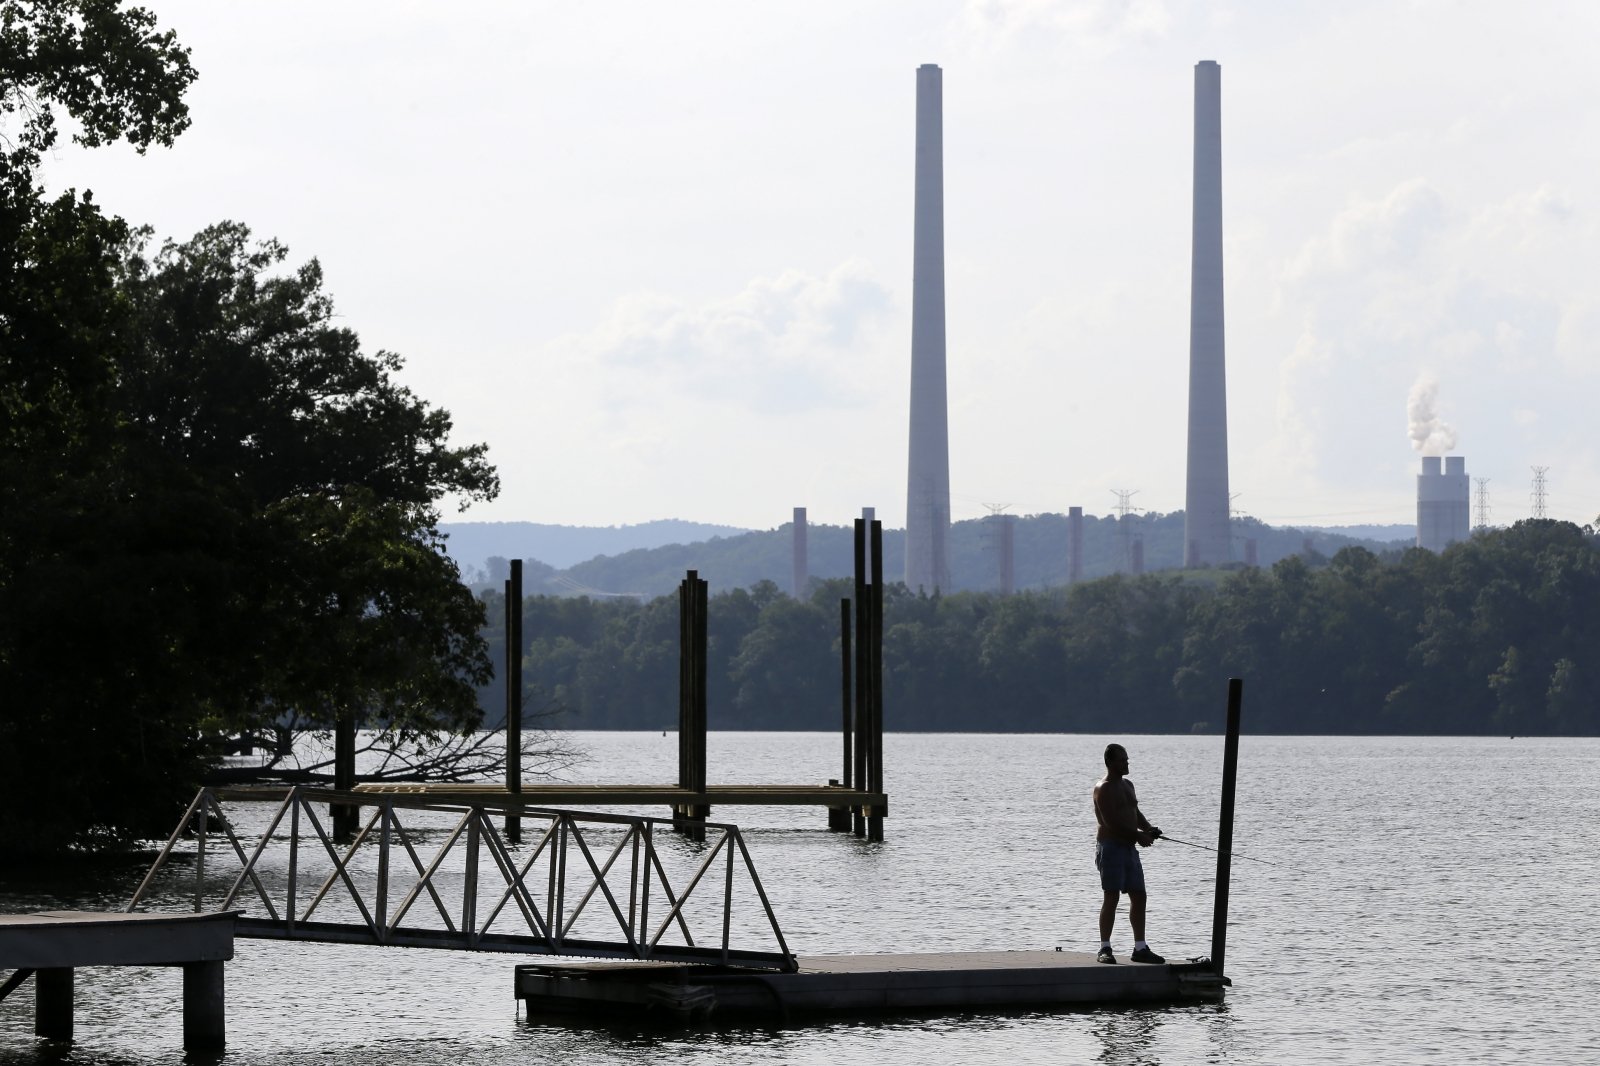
pixel 1127 1037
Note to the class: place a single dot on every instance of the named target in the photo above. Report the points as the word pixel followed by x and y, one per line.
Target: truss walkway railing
pixel 586 884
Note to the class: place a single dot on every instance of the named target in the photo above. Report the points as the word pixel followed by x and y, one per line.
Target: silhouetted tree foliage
pixel 214 506
pixel 1499 634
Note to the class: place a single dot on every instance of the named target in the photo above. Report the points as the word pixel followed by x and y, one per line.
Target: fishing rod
pixel 1230 854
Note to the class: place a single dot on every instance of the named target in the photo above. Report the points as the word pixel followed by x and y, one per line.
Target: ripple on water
pixel 1422 920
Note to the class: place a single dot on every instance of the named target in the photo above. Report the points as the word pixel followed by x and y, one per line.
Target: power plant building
pixel 1444 502
pixel 928 461
pixel 1206 532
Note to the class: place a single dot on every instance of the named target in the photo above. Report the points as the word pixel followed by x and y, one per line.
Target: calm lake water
pixel 1436 906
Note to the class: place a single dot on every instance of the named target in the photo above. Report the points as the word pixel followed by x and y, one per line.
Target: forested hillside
pixel 1497 635
pixel 1040 555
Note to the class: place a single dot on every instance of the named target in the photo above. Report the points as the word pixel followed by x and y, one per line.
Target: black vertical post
pixel 863 672
pixel 345 815
pixel 514 696
pixel 685 716
pixel 839 817
pixel 700 670
pixel 52 1002
pixel 205 1018
pixel 875 684
pixel 692 606
pixel 847 686
pixel 1230 774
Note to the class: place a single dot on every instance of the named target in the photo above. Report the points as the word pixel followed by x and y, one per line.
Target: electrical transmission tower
pixel 1235 515
pixel 1005 531
pixel 1124 527
pixel 1481 510
pixel 1539 490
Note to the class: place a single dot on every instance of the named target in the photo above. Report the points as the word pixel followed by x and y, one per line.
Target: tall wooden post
pixel 863 672
pixel 846 688
pixel 344 815
pixel 692 600
pixel 1230 774
pixel 514 696
pixel 839 817
pixel 875 662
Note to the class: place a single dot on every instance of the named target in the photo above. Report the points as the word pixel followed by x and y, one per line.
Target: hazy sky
pixel 658 255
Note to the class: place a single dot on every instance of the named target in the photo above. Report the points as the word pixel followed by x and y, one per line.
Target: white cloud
pixel 1407 186
pixel 1297 427
pixel 1098 25
pixel 1389 233
pixel 783 344
pixel 1448 298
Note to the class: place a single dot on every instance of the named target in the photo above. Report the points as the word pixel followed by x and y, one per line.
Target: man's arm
pixel 1146 833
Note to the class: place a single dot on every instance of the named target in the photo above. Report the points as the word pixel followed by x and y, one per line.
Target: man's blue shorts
pixel 1119 866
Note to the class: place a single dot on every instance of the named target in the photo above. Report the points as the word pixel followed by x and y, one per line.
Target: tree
pixel 217 508
pixel 107 67
pixel 786 674
pixel 244 382
pixel 71 739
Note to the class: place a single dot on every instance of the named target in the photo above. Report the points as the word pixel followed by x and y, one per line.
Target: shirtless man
pixel 1122 825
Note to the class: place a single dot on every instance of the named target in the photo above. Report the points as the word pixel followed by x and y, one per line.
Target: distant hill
pixel 1392 533
pixel 740 559
pixel 473 544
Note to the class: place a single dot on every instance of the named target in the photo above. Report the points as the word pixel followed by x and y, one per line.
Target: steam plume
pixel 1430 434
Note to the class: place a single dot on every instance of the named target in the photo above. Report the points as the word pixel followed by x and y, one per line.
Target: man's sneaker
pixel 1145 955
pixel 1105 956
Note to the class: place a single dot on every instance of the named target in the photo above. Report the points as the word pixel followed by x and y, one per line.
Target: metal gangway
pixel 585 884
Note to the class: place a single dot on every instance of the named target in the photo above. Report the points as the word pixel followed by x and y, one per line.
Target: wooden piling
pixel 346 817
pixel 52 1002
pixel 839 817
pixel 875 662
pixel 514 695
pixel 1230 774
pixel 692 602
pixel 205 1025
pixel 863 672
pixel 846 689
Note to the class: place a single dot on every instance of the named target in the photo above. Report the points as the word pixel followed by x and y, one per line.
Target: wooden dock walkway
pixel 559 794
pixel 857 984
pixel 51 945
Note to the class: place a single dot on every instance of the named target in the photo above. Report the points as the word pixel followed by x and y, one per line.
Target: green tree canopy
pixel 215 507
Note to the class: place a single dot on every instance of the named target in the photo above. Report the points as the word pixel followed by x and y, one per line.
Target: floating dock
pixel 860 984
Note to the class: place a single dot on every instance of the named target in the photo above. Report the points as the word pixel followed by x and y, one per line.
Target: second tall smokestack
pixel 1205 524
pixel 928 466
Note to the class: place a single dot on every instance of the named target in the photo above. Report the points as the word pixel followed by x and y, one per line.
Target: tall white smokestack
pixel 928 466
pixel 1205 522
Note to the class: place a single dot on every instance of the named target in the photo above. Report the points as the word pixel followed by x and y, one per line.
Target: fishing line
pixel 1230 854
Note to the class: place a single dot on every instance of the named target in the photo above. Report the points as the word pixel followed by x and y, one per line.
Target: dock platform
pixel 51 945
pixel 860 984
pixel 560 794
